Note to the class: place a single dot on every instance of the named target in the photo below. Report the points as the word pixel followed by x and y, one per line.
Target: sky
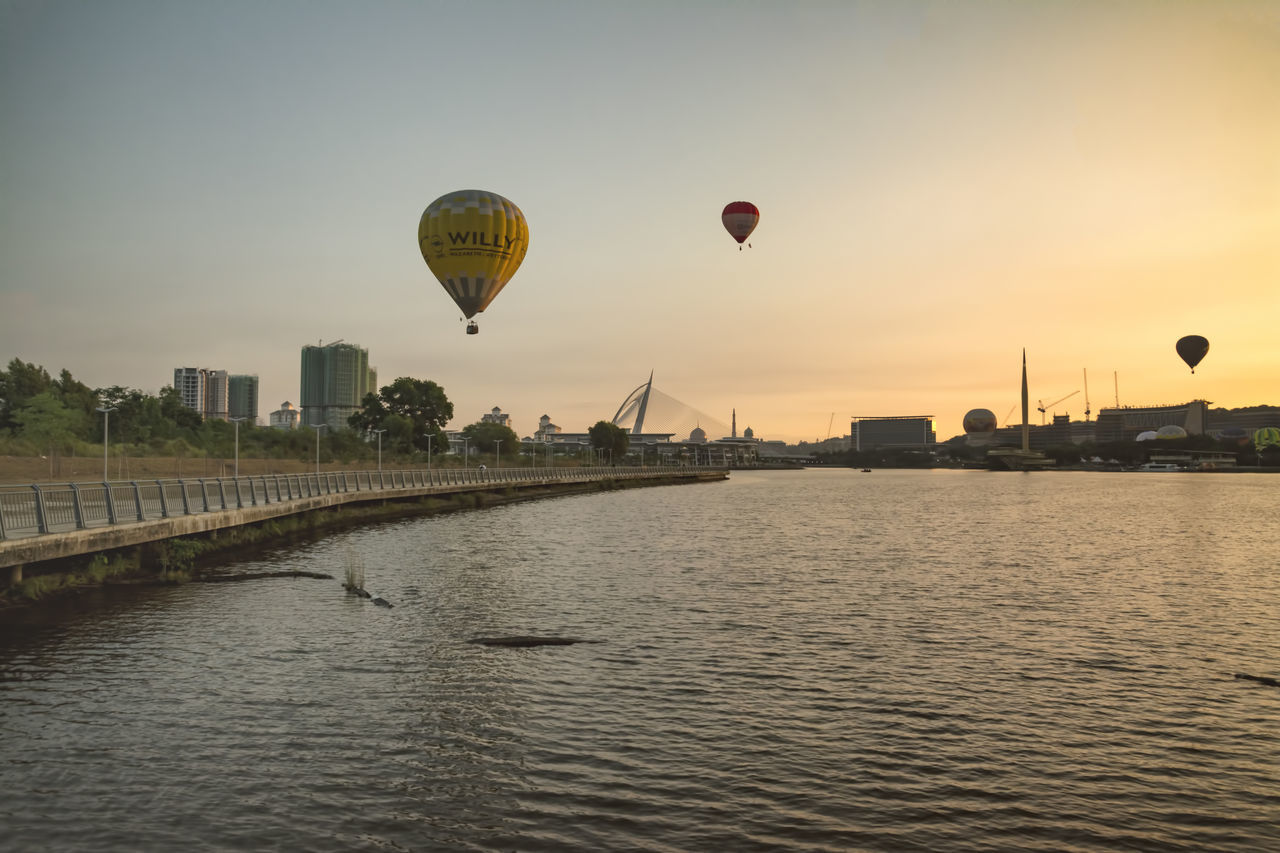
pixel 940 185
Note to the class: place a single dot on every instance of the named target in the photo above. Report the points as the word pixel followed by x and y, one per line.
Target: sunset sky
pixel 940 184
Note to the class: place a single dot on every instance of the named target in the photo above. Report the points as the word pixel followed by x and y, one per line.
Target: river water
pixel 787 661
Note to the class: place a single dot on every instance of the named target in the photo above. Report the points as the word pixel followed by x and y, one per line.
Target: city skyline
pixel 940 185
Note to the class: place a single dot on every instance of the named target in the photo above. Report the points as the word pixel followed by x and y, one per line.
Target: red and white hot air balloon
pixel 740 218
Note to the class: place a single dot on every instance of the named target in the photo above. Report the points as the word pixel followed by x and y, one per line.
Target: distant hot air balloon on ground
pixel 474 241
pixel 1239 435
pixel 1266 437
pixel 740 218
pixel 979 426
pixel 1192 349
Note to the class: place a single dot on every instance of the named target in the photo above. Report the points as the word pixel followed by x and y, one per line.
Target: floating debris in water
pixel 526 642
pixel 1261 679
pixel 253 576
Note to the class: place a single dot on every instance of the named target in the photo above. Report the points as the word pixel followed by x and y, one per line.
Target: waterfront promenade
pixel 42 522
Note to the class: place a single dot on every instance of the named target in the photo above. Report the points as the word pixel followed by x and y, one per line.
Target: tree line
pixel 41 414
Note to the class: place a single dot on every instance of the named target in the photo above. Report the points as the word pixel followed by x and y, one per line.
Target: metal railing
pixel 38 509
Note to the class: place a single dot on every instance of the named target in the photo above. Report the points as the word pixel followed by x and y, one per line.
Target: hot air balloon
pixel 1266 437
pixel 979 426
pixel 473 241
pixel 979 420
pixel 740 218
pixel 1192 348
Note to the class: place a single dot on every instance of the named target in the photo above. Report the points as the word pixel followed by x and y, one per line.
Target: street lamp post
pixel 466 451
pixel 379 433
pixel 317 428
pixel 237 421
pixel 106 421
pixel 497 453
pixel 429 436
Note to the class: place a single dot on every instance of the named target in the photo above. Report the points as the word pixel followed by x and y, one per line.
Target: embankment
pixel 173 551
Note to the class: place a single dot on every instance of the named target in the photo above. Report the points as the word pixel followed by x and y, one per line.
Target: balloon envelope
pixel 979 421
pixel 1192 348
pixel 474 241
pixel 1267 437
pixel 740 218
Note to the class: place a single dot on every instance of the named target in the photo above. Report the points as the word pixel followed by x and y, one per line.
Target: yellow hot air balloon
pixel 473 241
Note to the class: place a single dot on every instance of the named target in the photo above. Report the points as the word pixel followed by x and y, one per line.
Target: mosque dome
pixel 698 434
pixel 748 433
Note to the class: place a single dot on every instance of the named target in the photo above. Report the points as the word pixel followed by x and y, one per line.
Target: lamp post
pixel 106 421
pixel 466 451
pixel 429 436
pixel 379 434
pixel 497 453
pixel 317 428
pixel 237 421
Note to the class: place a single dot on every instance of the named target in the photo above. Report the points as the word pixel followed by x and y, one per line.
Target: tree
pixel 137 415
pixel 610 437
pixel 484 436
pixel 75 395
pixel 172 409
pixel 422 402
pixel 45 419
pixel 18 384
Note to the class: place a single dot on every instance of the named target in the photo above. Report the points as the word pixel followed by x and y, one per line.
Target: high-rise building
pixel 335 378
pixel 242 397
pixel 203 390
pixel 189 383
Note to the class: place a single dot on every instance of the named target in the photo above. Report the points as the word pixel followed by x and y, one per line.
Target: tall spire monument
pixel 1019 458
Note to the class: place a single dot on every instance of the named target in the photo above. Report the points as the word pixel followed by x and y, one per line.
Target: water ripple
pixel 809 661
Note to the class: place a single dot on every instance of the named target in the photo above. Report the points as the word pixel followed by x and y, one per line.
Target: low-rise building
pixel 286 417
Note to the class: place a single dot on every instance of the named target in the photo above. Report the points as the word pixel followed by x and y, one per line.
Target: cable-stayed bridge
pixel 648 410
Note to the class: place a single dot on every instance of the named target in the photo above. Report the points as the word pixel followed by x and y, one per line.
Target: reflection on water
pixel 816 660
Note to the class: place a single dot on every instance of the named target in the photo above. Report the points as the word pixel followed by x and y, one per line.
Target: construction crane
pixel 1086 394
pixel 1042 407
pixel 1006 417
pixel 831 420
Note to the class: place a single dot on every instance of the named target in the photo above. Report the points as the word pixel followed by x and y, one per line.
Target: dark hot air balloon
pixel 1192 348
pixel 740 218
